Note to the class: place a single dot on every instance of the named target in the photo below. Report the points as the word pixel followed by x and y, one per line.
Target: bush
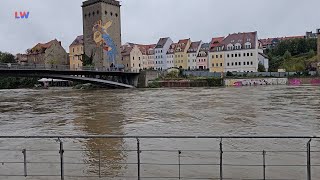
pixel 154 84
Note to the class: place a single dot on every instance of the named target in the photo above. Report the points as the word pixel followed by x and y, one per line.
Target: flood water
pixel 264 110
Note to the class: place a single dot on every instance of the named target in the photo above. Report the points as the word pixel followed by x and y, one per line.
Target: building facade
pixel 49 54
pixel 102 32
pixel 180 54
pixel 147 56
pixel 202 57
pixel 160 54
pixel 216 55
pixel 263 60
pixel 132 58
pixel 241 52
pixel 170 56
pixel 76 53
pixel 192 54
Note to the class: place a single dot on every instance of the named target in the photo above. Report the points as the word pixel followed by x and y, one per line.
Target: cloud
pixel 145 21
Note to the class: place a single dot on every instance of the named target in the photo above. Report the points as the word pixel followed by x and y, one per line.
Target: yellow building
pixel 75 53
pixel 216 55
pixel 180 54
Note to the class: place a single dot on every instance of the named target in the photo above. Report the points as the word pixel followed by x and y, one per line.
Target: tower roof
pixel 90 2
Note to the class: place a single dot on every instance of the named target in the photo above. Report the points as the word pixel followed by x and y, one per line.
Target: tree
pixel 287 55
pixel 261 68
pixel 311 53
pixel 6 58
pixel 88 61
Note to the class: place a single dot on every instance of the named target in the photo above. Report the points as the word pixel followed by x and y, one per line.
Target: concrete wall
pixel 146 76
pixel 304 81
pixel 202 74
pixel 258 81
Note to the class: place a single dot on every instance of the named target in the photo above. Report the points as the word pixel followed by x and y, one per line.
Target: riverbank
pixel 17 82
pixel 208 82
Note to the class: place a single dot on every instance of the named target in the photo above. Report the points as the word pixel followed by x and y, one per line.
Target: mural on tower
pixel 102 38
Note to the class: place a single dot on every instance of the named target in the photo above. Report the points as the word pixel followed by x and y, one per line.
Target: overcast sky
pixel 145 21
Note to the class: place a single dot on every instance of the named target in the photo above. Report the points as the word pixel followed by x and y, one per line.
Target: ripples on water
pixel 269 110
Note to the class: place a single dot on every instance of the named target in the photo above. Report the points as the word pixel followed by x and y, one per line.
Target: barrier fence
pixel 261 165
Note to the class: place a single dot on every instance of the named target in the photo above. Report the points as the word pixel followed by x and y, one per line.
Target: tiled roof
pixel 204 48
pixel 270 41
pixel 172 48
pixel 241 38
pixel 147 49
pixel 181 46
pixel 216 42
pixel 161 42
pixel 78 41
pixel 125 50
pixel 194 47
pixel 40 48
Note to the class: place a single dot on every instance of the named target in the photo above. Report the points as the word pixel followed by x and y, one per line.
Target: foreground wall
pixel 256 81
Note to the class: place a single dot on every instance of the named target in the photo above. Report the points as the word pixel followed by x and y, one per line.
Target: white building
pixel 160 53
pixel 170 56
pixel 241 52
pixel 192 54
pixel 263 59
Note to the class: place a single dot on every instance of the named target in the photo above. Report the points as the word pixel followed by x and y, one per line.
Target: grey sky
pixel 145 21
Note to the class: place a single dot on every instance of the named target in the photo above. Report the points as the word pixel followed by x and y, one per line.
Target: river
pixel 263 110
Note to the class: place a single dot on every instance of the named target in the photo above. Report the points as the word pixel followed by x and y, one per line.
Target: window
pixel 93 13
pixel 217 64
pixel 247 54
pixel 133 64
pixel 111 13
pixel 251 63
pixel 116 14
pixel 132 58
pixel 220 55
pixel 231 64
pixel 85 15
pixel 221 64
pixel 231 55
pixel 227 55
pixel 251 54
pixel 105 12
pixel 89 14
pixel 161 51
pixel 217 56
pixel 244 54
pixel 72 49
pixel 212 64
pixel 212 56
pixel 228 64
pixel 248 63
pixel 236 55
pixel 127 65
pixel 98 12
pixel 236 63
pixel 239 63
pixel 239 55
pixel 139 65
pixel 181 55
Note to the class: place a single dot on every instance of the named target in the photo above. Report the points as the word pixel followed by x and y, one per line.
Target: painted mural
pixel 255 82
pixel 102 38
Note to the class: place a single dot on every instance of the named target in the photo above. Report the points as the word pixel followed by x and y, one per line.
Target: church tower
pixel 102 32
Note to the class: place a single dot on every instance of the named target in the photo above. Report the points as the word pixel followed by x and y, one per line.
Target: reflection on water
pixel 271 110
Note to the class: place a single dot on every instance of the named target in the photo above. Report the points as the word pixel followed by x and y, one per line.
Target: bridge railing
pixel 16 66
pixel 104 163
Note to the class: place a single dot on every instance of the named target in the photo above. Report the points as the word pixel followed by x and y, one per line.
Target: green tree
pixel 6 58
pixel 261 68
pixel 287 55
pixel 311 53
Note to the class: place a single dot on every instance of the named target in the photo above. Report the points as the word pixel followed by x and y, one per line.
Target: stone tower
pixel 102 32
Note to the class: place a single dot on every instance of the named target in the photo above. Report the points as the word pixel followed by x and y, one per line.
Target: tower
pixel 102 32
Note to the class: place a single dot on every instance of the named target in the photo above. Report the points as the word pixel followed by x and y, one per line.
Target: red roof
pixel 145 48
pixel 181 44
